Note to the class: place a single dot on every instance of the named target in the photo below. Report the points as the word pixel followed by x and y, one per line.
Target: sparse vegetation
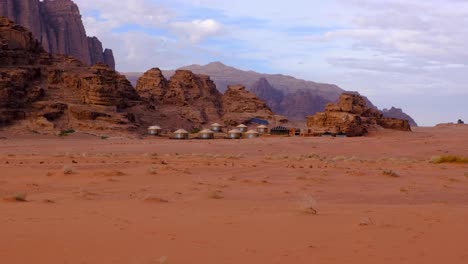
pixel 449 159
pixel 195 130
pixel 67 132
pixel 216 195
pixel 104 137
pixel 308 205
pixel 67 170
pixel 20 197
pixel 391 173
pixel 155 199
pixel 152 170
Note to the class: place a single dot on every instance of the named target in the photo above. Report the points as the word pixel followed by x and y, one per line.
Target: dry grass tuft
pixel 20 197
pixel 152 170
pixel 217 195
pixel 449 159
pixel 155 199
pixel 67 170
pixel 391 173
pixel 309 204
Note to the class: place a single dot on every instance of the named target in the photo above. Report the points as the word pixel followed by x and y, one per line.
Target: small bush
pixel 152 170
pixel 104 137
pixel 391 173
pixel 216 195
pixel 448 159
pixel 308 205
pixel 67 132
pixel 195 130
pixel 20 197
pixel 67 170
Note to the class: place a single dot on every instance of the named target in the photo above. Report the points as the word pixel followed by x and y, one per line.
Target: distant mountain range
pixel 285 95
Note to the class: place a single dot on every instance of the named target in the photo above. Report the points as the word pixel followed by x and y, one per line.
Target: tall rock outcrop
pixel 187 99
pixel 352 116
pixel 57 91
pixel 58 26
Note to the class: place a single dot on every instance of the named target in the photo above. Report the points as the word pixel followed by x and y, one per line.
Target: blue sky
pixel 411 54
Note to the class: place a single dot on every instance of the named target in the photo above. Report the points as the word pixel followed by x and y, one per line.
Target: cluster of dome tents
pixel 241 131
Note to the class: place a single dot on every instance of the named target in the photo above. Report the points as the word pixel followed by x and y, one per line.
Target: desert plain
pixel 375 199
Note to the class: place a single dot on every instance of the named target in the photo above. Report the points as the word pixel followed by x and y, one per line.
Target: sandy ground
pixel 159 201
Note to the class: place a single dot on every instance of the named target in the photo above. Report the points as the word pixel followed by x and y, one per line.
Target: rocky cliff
pixel 46 91
pixel 58 26
pixel 352 116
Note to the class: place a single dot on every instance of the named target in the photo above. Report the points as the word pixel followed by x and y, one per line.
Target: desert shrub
pixel 67 170
pixel 152 170
pixel 448 159
pixel 20 197
pixel 308 204
pixel 66 132
pixel 216 195
pixel 391 173
pixel 104 137
pixel 195 130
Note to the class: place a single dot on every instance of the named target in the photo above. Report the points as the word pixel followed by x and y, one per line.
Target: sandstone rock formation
pixel 240 106
pixel 58 91
pixel 399 114
pixel 192 100
pixel 352 116
pixel 58 26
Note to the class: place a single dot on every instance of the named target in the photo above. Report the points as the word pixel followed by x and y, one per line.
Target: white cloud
pixel 197 30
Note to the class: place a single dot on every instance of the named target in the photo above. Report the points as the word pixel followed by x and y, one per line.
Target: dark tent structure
pixel 279 131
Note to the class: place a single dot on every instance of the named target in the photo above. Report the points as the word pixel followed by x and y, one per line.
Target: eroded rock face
pixel 241 105
pixel 47 90
pixel 152 85
pixel 58 26
pixel 352 116
pixel 191 100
